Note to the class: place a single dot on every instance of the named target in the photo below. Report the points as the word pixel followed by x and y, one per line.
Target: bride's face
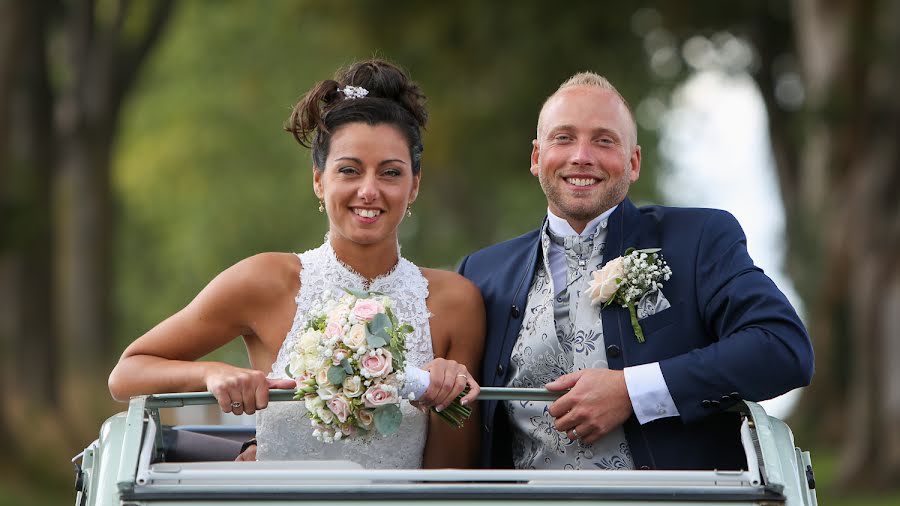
pixel 367 182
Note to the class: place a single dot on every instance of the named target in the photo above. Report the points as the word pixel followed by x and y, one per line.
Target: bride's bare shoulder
pixel 451 290
pixel 267 273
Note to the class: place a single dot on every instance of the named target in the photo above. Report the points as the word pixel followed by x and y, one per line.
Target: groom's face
pixel 585 156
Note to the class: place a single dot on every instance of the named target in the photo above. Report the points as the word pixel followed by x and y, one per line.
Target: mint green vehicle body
pixel 126 466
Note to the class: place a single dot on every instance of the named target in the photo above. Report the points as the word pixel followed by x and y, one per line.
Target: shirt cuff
pixel 650 397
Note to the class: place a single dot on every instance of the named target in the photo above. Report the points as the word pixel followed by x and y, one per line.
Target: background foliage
pixel 204 175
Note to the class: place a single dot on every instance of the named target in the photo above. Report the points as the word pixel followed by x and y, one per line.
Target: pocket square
pixel 651 303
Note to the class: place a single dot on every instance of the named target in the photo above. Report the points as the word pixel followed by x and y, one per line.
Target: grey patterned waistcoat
pixel 558 336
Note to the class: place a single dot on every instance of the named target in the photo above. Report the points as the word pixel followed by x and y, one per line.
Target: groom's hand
pixel 597 402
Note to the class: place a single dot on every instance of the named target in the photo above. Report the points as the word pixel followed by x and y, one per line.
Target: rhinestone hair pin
pixel 352 92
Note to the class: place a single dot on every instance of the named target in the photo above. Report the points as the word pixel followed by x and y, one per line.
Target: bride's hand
pixel 242 391
pixel 448 379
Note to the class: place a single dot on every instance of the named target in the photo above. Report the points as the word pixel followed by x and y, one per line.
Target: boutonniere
pixel 624 280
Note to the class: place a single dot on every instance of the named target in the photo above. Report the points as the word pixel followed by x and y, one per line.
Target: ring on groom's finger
pixel 463 376
pixel 575 433
pixel 236 404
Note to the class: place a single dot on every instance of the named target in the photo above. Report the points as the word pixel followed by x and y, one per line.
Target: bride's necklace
pixel 366 282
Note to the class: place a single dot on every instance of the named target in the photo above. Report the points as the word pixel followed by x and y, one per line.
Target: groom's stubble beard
pixel 585 209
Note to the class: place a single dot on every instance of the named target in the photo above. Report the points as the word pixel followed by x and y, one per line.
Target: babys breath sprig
pixel 626 279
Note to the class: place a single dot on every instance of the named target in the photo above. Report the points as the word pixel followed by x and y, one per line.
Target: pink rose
pixel 338 356
pixel 380 395
pixel 365 418
pixel 340 406
pixel 366 309
pixel 377 363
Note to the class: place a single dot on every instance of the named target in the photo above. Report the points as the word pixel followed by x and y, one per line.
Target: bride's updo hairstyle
pixel 374 92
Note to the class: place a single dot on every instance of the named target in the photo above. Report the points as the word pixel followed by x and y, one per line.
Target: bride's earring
pixel 321 206
pixel 409 210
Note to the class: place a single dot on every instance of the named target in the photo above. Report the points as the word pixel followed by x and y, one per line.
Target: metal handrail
pixel 177 400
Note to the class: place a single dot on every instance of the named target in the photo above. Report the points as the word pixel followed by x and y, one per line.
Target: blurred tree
pixel 66 69
pixel 828 74
pixel 839 166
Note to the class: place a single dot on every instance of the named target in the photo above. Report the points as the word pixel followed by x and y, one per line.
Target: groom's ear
pixel 535 156
pixel 635 161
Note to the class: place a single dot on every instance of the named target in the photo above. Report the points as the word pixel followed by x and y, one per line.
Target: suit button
pixel 706 403
pixel 500 370
pixel 514 311
pixel 645 468
pixel 726 398
pixel 714 403
pixel 735 396
pixel 613 351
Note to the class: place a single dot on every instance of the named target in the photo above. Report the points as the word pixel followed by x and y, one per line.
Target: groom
pixel 718 331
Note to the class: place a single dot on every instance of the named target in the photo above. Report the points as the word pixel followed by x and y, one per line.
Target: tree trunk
pixel 55 201
pixel 28 159
pixel 844 225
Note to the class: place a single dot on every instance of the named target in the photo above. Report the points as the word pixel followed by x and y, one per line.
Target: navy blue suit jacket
pixel 730 333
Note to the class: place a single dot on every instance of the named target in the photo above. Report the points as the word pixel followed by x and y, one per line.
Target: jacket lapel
pixel 622 234
pixel 522 275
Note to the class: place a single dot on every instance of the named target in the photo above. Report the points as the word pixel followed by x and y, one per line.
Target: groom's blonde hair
pixel 588 78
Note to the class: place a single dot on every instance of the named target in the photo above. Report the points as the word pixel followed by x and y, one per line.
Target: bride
pixel 364 129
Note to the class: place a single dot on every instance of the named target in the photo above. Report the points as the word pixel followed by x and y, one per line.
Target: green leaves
pixel 359 294
pixel 378 331
pixel 336 375
pixel 387 419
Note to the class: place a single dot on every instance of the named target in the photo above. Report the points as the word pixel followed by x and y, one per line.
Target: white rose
pixel 313 360
pixel 322 376
pixel 310 340
pixel 314 404
pixel 327 391
pixel 356 338
pixel 297 364
pixel 604 284
pixel 353 386
pixel 325 415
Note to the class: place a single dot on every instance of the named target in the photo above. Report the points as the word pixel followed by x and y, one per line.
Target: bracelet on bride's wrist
pixel 247 444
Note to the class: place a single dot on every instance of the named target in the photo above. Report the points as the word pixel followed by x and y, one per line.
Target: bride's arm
pixel 164 359
pixel 457 329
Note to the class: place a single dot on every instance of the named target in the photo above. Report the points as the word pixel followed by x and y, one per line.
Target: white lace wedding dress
pixel 283 431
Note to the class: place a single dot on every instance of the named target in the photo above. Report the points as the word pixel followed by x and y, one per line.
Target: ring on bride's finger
pixel 575 433
pixel 463 376
pixel 236 404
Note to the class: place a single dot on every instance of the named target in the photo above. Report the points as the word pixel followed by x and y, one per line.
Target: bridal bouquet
pixel 350 368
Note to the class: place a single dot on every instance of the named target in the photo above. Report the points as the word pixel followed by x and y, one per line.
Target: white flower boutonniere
pixel 624 280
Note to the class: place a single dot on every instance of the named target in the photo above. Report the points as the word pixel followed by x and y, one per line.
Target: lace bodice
pixel 284 432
